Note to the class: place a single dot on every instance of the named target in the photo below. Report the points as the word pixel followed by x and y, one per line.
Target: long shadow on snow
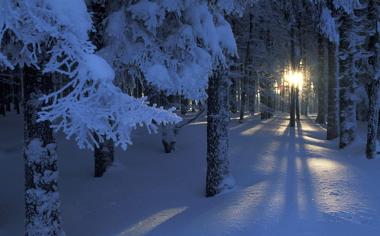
pixel 260 191
pixel 259 197
pixel 242 203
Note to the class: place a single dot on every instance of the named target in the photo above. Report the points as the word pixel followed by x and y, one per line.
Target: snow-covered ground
pixel 289 182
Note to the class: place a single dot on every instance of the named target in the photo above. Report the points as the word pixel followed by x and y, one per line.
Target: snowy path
pixel 289 182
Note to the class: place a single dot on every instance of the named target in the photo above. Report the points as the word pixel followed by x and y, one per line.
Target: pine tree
pixel 233 95
pixel 332 93
pixel 104 152
pixel 81 108
pixel 218 176
pixel 329 28
pixel 252 93
pixel 169 131
pixel 42 204
pixel 293 89
pixel 321 115
pixel 374 84
pixel 248 93
pixel 347 81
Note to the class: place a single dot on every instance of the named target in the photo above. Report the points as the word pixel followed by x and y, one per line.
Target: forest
pixel 189 117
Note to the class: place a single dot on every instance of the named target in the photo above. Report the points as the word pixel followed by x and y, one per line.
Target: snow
pixel 35 149
pixel 288 182
pixel 73 14
pixel 158 75
pixel 97 67
pixel 148 12
pixel 174 44
pixel 328 26
pixel 40 225
pixel 347 5
pixel 91 100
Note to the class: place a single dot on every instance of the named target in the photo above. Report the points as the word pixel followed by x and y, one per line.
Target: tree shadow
pixel 283 190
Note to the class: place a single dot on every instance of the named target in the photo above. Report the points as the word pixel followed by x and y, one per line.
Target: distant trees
pixel 354 44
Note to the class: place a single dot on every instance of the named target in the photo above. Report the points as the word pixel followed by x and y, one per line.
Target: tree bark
pixel 168 130
pixel 42 204
pixel 373 121
pixel 250 83
pixel 374 85
pixel 185 104
pixel 252 95
pixel 218 176
pixel 104 154
pixel 232 98
pixel 168 138
pixel 347 82
pixel 321 115
pixel 332 86
pixel 298 104
pixel 332 91
pixel 243 98
pixel 292 90
pixel 264 100
pixel 2 99
pixel 292 107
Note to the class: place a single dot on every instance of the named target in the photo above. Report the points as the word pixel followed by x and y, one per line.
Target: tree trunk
pixel 292 107
pixel 271 102
pixel 2 99
pixel 252 95
pixel 104 154
pixel 264 100
pixel 378 128
pixel 232 98
pixel 168 130
pixel 374 85
pixel 332 86
pixel 305 97
pixel 243 98
pixel 321 115
pixel 347 84
pixel 282 96
pixel 218 176
pixel 373 121
pixel 292 91
pixel 185 103
pixel 16 94
pixel 332 102
pixel 42 204
pixel 250 83
pixel 168 138
pixel 8 100
pixel 297 103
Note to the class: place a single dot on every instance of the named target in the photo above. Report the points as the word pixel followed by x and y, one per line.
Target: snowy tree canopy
pixel 347 5
pixel 53 35
pixel 175 44
pixel 328 25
